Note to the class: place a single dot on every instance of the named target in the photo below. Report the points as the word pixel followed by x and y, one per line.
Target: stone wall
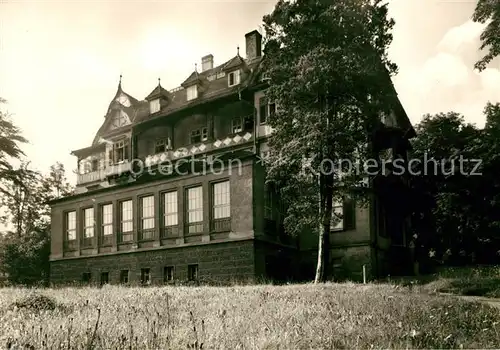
pixel 222 261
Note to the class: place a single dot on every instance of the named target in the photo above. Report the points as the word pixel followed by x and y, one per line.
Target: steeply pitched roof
pixel 158 91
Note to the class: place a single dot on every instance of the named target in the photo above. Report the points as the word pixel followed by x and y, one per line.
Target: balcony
pixel 93 176
pixel 199 148
pixel 118 168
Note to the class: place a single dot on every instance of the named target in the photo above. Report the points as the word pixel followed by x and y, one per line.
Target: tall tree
pixel 25 251
pixel 488 12
pixel 10 140
pixel 330 77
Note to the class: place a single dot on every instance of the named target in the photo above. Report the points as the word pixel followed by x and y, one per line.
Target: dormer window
pixel 154 106
pixel 233 78
pixel 192 92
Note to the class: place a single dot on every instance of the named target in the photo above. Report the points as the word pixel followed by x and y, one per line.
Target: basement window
pixel 193 272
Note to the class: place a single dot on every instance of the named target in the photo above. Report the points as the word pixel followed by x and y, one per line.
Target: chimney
pixel 253 44
pixel 207 62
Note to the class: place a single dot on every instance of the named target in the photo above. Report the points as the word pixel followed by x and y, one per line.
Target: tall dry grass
pixel 245 317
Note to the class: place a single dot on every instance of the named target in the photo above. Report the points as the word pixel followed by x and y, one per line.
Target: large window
pixel 195 209
pixel 236 125
pixel 147 217
pixel 88 223
pixel 170 213
pixel 221 210
pixel 268 202
pixel 70 226
pixel 107 224
pixel 126 221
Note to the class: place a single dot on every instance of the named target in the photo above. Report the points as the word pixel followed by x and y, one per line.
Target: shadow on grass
pixel 481 281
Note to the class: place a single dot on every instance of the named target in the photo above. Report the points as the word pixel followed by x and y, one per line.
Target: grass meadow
pixel 307 316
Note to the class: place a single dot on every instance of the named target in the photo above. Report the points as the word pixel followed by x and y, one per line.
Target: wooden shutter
pixel 349 209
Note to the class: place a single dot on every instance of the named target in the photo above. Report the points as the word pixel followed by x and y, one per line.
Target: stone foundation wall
pixel 216 262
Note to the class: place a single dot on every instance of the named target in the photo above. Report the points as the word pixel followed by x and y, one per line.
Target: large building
pixel 172 189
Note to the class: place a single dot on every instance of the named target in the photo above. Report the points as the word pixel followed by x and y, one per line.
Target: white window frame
pixel 170 209
pixel 221 198
pixel 107 219
pixel 88 222
pixel 148 212
pixel 194 204
pixel 154 106
pixel 126 217
pixel 235 75
pixel 192 92
pixel 70 218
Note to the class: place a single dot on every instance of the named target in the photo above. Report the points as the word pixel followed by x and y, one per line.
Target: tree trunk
pixel 325 213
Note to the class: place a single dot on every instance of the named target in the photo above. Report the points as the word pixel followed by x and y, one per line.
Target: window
pixel 221 198
pixel 154 106
pixel 145 276
pixel 199 135
pixel 88 225
pixel 71 226
pixel 170 213
pixel 120 151
pixel 126 223
pixel 337 223
pixel 147 217
pixel 162 145
pixel 107 219
pixel 221 211
pixel 168 273
pixel 192 92
pixel 192 272
pixel 236 125
pixel 195 209
pixel 124 276
pixel 104 278
pixel 266 109
pixel 86 277
pixel 233 78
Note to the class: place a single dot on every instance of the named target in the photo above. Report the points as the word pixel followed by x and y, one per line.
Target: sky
pixel 60 62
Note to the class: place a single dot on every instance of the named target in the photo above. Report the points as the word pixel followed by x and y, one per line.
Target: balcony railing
pixel 119 168
pixel 200 148
pixel 93 176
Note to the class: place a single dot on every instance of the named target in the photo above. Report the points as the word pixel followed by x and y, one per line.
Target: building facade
pixel 173 189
